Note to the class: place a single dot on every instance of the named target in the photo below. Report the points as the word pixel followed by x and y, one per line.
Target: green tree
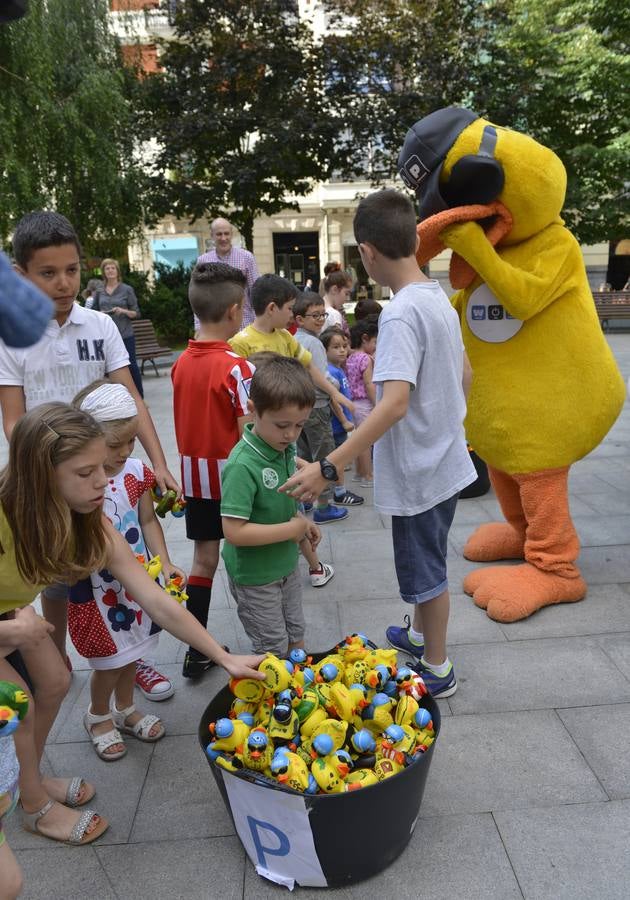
pixel 66 139
pixel 238 112
pixel 389 63
pixel 559 70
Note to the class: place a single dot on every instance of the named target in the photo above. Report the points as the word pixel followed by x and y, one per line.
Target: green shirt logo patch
pixel 270 478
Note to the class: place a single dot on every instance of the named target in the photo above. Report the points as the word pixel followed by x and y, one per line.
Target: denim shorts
pixel 420 543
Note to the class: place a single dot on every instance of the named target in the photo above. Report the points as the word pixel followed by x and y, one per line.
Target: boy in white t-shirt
pixel 78 346
pixel 421 461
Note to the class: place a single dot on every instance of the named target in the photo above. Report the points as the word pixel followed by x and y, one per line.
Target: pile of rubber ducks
pixel 348 721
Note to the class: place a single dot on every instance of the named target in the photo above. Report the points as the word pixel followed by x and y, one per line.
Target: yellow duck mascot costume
pixel 546 388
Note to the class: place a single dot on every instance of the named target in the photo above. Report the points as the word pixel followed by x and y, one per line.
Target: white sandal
pixel 102 742
pixel 78 835
pixel 142 728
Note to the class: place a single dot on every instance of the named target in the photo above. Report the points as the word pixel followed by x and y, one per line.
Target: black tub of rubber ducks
pixel 351 731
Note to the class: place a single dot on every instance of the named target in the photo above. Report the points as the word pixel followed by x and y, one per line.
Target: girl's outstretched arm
pixel 168 613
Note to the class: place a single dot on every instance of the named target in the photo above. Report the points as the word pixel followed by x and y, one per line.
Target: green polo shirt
pixel 249 490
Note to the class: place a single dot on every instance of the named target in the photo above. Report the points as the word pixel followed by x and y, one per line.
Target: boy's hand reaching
pixel 308 482
pixel 244 666
pixel 165 481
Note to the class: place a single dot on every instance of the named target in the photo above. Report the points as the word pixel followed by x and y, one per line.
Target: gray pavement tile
pixel 606 609
pixel 570 853
pixel 118 784
pixel 73 873
pixel 598 531
pixel 536 674
pixel 323 628
pixel 372 617
pixel 471 512
pixel 617 647
pixel 506 761
pixel 583 481
pixel 603 735
pixel 605 565
pixel 453 857
pixel 174 869
pixel 614 502
pixel 180 798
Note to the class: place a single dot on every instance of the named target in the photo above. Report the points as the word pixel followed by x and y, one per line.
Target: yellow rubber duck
pixel 546 388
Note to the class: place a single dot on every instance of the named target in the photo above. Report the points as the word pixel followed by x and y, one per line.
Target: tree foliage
pixel 238 112
pixel 556 69
pixel 559 70
pixel 388 64
pixel 66 140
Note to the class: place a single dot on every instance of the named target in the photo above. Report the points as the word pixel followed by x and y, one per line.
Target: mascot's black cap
pixel 424 151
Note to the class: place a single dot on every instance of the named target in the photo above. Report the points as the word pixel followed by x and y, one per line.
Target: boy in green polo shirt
pixel 262 527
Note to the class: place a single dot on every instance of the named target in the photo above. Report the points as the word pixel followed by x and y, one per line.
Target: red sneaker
pixel 152 684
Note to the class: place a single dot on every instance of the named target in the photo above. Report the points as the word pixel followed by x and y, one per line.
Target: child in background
pixel 336 355
pixel 366 308
pixel 105 624
pixel 319 573
pixel 360 368
pixel 210 393
pixel 316 440
pixel 273 299
pixel 337 290
pixel 263 527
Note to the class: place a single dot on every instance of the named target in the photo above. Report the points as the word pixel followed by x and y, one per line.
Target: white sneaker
pixel 323 576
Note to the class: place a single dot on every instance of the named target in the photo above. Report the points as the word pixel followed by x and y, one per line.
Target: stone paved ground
pixel 529 791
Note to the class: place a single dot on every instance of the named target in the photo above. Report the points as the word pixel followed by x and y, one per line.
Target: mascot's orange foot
pixel 474 580
pixel 495 540
pixel 509 594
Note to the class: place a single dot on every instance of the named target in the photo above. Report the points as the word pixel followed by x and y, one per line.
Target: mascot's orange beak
pixel 282 778
pixel 343 769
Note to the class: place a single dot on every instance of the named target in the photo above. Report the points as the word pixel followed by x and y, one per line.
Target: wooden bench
pixel 611 305
pixel 147 347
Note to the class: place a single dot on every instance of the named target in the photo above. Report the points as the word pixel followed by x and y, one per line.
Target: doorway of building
pixel 296 257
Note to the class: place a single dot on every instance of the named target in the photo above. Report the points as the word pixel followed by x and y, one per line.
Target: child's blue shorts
pixel 420 544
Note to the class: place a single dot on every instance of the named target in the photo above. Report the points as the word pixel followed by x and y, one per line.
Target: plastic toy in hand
pixel 168 502
pixel 153 566
pixel 175 587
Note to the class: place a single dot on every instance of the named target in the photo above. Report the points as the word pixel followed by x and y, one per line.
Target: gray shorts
pixel 316 440
pixel 271 614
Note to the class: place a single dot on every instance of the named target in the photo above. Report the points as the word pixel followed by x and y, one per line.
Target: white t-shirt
pixel 423 459
pixel 334 317
pixel 66 359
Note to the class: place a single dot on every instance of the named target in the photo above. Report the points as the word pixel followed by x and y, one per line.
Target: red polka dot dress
pixel 106 625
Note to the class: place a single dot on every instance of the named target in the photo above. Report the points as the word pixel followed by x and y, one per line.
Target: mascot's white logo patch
pixel 488 319
pixel 270 478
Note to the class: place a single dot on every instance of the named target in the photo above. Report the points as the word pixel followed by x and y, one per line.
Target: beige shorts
pixel 271 614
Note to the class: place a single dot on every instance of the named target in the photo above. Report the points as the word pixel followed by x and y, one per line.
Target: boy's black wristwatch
pixel 329 470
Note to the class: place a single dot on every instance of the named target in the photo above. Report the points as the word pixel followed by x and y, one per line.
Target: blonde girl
pixel 51 527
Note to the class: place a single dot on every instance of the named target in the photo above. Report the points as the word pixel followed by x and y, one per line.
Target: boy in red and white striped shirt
pixel 210 393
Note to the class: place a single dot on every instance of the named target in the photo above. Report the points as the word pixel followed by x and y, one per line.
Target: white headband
pixel 109 402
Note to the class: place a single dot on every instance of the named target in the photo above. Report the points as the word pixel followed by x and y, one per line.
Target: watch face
pixel 328 471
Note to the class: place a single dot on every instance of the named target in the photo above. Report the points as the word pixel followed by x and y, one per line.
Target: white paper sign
pixel 275 830
pixel 488 319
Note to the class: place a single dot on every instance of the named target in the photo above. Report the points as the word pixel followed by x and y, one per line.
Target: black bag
pixel 482 485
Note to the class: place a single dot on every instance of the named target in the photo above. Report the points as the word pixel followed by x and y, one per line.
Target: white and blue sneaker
pixel 438 686
pixel 398 637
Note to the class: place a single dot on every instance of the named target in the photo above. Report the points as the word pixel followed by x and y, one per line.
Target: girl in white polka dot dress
pixel 106 625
